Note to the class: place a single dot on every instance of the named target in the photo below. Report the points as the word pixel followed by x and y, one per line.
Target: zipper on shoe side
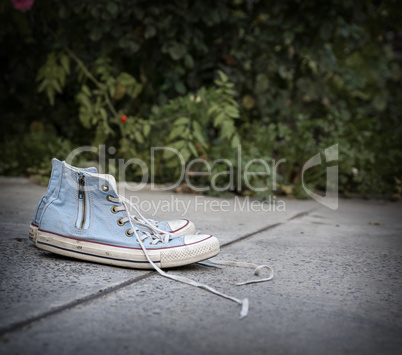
pixel 82 198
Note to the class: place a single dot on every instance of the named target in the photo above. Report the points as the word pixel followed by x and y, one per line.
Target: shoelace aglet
pixel 244 308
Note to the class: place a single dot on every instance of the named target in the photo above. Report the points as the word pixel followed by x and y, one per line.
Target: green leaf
pixel 176 131
pixel 147 129
pixel 235 141
pixel 177 50
pixel 218 119
pixel 112 8
pixel 50 94
pixel 84 100
pixel 85 117
pixel 212 109
pixel 103 114
pixel 223 76
pixel 180 88
pixel 185 152
pixel 200 138
pixel 52 75
pixel 178 145
pixel 172 163
pixel 168 154
pixel 192 148
pixel 197 127
pixel 150 31
pixel 126 79
pixel 56 86
pixel 43 85
pixel 227 129
pixel 100 135
pixel 181 121
pixel 65 62
pixel 138 136
pixel 188 61
pixel 232 111
pixel 85 90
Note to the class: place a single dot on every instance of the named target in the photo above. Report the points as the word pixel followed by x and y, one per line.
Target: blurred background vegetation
pixel 285 79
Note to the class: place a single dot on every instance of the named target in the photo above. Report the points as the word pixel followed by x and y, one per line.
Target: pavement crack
pixel 264 229
pixel 300 215
pixel 249 235
pixel 100 293
pixel 103 292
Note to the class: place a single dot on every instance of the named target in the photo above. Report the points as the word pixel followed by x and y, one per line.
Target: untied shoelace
pixel 161 236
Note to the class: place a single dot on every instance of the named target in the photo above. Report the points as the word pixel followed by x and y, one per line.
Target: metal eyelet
pixel 108 197
pixel 120 223
pixel 128 234
pixel 105 188
pixel 113 209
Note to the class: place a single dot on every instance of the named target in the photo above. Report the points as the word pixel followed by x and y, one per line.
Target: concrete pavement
pixel 337 285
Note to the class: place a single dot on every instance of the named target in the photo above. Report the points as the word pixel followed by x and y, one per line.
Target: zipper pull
pixel 81 182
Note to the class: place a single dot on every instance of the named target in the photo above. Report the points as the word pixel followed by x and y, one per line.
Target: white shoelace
pixel 163 237
pixel 257 269
pixel 142 221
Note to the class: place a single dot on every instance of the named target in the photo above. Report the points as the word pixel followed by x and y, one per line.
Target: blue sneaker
pixel 85 218
pixel 179 226
pixel 54 178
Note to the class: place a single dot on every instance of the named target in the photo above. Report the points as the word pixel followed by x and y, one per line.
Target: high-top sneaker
pixel 178 226
pixel 85 218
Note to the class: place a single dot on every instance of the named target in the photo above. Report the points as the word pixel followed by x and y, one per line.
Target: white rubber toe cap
pixel 181 227
pixel 196 248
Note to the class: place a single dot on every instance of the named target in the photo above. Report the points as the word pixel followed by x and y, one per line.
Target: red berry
pixel 123 118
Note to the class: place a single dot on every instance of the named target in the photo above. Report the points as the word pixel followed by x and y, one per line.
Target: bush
pixel 285 79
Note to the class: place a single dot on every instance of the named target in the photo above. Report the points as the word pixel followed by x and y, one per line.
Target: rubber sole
pixel 187 230
pixel 127 257
pixel 32 232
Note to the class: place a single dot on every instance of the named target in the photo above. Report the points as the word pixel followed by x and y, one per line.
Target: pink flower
pixel 23 5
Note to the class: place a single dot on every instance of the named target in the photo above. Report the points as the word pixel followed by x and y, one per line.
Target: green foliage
pixel 197 119
pixel 52 76
pixel 40 144
pixel 285 81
